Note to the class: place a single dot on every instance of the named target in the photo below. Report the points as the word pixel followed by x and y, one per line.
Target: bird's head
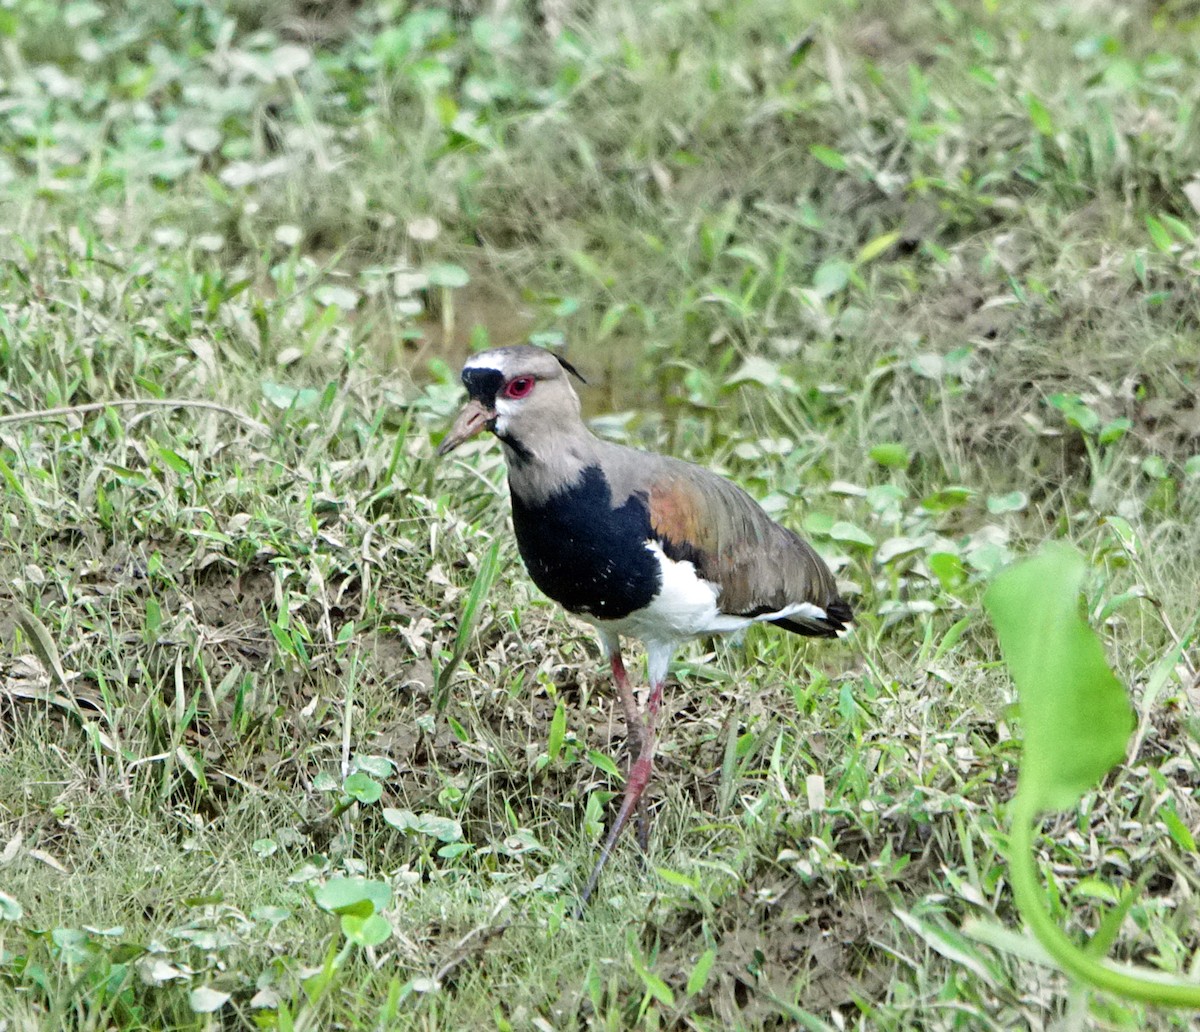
pixel 522 394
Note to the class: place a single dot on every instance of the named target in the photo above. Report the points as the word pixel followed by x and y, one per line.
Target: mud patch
pixel 780 945
pixel 229 607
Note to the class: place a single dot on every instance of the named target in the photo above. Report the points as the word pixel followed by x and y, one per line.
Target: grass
pixel 921 277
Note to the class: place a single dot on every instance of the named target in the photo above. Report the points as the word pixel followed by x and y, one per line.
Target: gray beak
pixel 474 418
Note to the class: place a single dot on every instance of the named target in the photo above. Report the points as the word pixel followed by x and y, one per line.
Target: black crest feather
pixel 570 369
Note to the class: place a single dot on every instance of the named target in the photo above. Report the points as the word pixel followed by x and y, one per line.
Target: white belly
pixel 685 607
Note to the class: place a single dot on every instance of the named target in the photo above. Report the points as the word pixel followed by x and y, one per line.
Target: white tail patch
pixel 809 614
pixel 806 611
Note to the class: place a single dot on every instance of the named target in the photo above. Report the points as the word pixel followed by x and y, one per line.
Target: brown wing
pixel 759 566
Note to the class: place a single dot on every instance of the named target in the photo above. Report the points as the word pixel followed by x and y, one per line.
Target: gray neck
pixel 539 470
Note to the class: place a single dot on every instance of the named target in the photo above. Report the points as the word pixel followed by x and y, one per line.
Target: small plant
pixel 1077 720
pixel 1098 436
pixel 358 904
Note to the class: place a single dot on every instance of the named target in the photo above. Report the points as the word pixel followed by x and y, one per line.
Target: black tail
pixel 838 615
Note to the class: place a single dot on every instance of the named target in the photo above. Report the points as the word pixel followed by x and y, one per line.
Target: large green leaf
pixel 1076 714
pixel 353 896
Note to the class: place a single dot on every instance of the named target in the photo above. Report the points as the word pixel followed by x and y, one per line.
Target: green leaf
pixel 655 986
pixel 331 295
pixel 1110 925
pixel 558 729
pixel 611 320
pixel 205 1000
pixel 460 732
pixel 850 533
pixel 890 455
pixel 324 781
pixel 353 896
pixel 445 829
pixel 1076 412
pixel 947 498
pixel 872 249
pixel 1115 430
pixel 1124 532
pixel 154 617
pixel 1180 834
pixel 756 369
pixel 10 908
pixel 175 461
pixel 831 277
pixel 699 976
pixel 42 643
pixel 1076 715
pixel 899 547
pixel 283 397
pixel 951 637
pixel 1159 235
pixel 1039 115
pixel 377 766
pixel 1155 468
pixel 1179 229
pixel 678 879
pixel 363 787
pixel 952 945
pixel 14 482
pixel 489 566
pixel 366 930
pixel 1004 940
pixel 948 569
pixel 598 759
pixel 1014 501
pixel 928 365
pixel 819 524
pixel 828 157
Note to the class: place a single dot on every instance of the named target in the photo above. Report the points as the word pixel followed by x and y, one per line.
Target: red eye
pixel 518 387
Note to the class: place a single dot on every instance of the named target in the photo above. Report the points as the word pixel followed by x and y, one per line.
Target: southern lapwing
pixel 639 545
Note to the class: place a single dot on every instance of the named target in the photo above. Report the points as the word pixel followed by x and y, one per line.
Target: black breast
pixel 585 554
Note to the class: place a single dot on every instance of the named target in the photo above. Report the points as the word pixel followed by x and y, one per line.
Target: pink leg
pixel 635 734
pixel 639 778
pixel 643 822
pixel 633 719
pixel 655 701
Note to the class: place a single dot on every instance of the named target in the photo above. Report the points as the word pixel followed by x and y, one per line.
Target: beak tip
pixel 474 418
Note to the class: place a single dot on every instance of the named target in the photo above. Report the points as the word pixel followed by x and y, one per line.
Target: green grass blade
pixel 485 576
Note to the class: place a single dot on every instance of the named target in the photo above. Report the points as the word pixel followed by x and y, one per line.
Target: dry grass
pixel 776 239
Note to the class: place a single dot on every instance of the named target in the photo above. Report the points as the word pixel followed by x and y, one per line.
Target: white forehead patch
pixel 485 361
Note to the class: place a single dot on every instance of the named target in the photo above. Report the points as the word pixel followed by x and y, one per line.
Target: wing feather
pixel 759 566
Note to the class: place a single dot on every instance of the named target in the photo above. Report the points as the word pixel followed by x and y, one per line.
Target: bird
pixel 640 545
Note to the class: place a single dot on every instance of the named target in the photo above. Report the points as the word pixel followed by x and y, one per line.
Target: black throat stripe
pixel 520 454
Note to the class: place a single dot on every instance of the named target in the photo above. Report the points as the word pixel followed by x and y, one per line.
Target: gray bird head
pixel 522 394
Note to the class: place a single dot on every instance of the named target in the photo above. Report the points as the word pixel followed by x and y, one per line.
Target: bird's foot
pixel 639 778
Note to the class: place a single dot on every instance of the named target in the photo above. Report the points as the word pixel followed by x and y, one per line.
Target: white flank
pixel 686 607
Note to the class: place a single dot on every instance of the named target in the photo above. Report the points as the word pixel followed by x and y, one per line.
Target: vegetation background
pixel 922 277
